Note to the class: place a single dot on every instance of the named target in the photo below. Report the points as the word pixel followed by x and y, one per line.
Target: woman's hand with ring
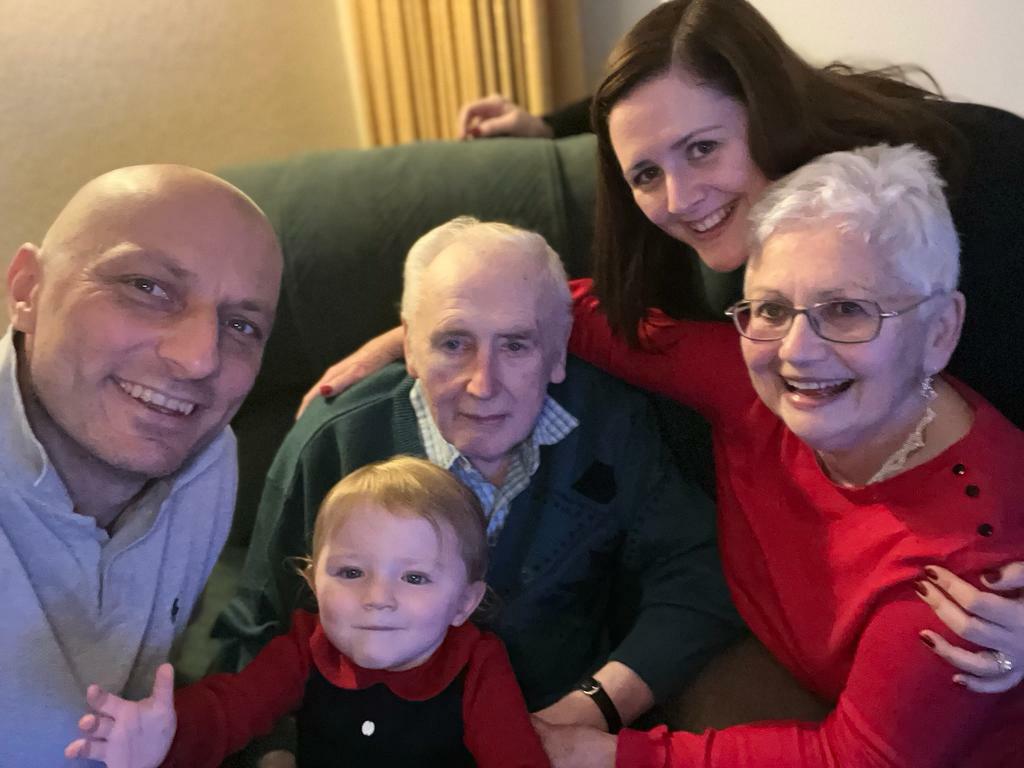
pixel 987 619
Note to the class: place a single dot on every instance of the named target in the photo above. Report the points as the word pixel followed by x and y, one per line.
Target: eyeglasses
pixel 844 321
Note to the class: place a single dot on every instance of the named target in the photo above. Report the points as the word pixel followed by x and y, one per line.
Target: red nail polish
pixel 325 390
pixel 922 588
pixel 927 641
pixel 931 573
pixel 992 576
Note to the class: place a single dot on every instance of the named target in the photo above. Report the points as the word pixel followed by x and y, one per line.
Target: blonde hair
pixel 408 487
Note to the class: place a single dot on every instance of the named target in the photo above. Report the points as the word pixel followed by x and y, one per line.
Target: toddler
pixel 388 673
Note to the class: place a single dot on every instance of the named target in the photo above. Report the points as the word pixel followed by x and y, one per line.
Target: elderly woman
pixel 851 473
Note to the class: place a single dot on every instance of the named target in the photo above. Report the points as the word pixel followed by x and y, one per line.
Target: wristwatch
pixel 593 688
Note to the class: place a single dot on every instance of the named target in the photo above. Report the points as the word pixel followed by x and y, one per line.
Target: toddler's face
pixel 389 586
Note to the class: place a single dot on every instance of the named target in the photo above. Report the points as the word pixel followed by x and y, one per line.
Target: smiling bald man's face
pixel 145 314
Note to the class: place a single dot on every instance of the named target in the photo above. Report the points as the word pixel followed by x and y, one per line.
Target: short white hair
pixel 890 196
pixel 524 244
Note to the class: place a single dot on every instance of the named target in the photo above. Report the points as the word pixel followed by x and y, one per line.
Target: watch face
pixel 590 686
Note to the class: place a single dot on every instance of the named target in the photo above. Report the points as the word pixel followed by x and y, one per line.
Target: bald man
pixel 137 329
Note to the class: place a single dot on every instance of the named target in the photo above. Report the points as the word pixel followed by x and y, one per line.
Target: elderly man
pixel 136 331
pixel 603 561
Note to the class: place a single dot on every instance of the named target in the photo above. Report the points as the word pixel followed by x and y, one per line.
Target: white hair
pixel 890 196
pixel 525 245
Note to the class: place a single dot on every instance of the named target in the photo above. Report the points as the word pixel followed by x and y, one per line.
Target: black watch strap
pixel 599 696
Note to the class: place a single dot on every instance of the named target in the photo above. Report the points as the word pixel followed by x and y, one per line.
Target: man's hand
pixel 367 360
pixel 128 734
pixel 495 115
pixel 576 746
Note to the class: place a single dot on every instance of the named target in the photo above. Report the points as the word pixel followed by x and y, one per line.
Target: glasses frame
pixel 742 304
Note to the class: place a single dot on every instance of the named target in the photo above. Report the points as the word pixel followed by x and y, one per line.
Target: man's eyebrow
pixel 250 305
pixel 130 252
pixel 438 333
pixel 520 333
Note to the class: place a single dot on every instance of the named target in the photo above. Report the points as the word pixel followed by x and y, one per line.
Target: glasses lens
pixel 765 320
pixel 848 320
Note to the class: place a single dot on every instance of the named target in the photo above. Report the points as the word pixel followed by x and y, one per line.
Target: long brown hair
pixel 795 112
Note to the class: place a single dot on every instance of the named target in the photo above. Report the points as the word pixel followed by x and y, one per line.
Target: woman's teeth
pixel 818 388
pixel 713 219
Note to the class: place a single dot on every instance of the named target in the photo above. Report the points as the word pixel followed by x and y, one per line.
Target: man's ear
pixel 410 363
pixel 558 370
pixel 944 332
pixel 23 279
pixel 471 597
pixel 561 350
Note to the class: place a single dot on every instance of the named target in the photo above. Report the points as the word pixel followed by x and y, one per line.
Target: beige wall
pixel 88 85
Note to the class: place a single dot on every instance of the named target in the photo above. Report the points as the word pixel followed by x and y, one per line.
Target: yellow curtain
pixel 421 60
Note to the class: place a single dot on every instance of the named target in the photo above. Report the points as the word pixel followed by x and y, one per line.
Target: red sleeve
pixel 497 727
pixel 222 713
pixel 900 708
pixel 696 363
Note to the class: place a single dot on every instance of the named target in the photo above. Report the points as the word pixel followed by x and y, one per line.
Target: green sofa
pixel 346 220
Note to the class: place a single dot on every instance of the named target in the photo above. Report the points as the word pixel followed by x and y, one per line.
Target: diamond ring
pixel 1003 662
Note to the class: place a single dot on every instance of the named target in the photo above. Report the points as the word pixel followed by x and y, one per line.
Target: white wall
pixel 604 22
pixel 972 47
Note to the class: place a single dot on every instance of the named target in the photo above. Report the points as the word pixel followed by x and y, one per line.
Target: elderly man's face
pixel 479 344
pixel 840 397
pixel 145 317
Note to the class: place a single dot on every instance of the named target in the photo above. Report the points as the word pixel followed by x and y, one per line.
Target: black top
pixel 989 216
pixel 375 728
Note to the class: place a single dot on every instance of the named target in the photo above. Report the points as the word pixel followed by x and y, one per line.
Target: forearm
pixel 898 709
pixel 222 713
pixel 627 690
pixel 665 361
pixel 672 611
pixel 571 119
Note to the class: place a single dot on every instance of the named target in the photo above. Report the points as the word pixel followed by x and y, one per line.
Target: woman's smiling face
pixel 683 151
pixel 838 397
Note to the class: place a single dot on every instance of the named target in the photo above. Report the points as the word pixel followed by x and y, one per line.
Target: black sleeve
pixel 669 588
pixel 571 119
pixel 988 216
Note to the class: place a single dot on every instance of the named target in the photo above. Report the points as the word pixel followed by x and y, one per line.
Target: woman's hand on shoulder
pixel 365 361
pixel 993 620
